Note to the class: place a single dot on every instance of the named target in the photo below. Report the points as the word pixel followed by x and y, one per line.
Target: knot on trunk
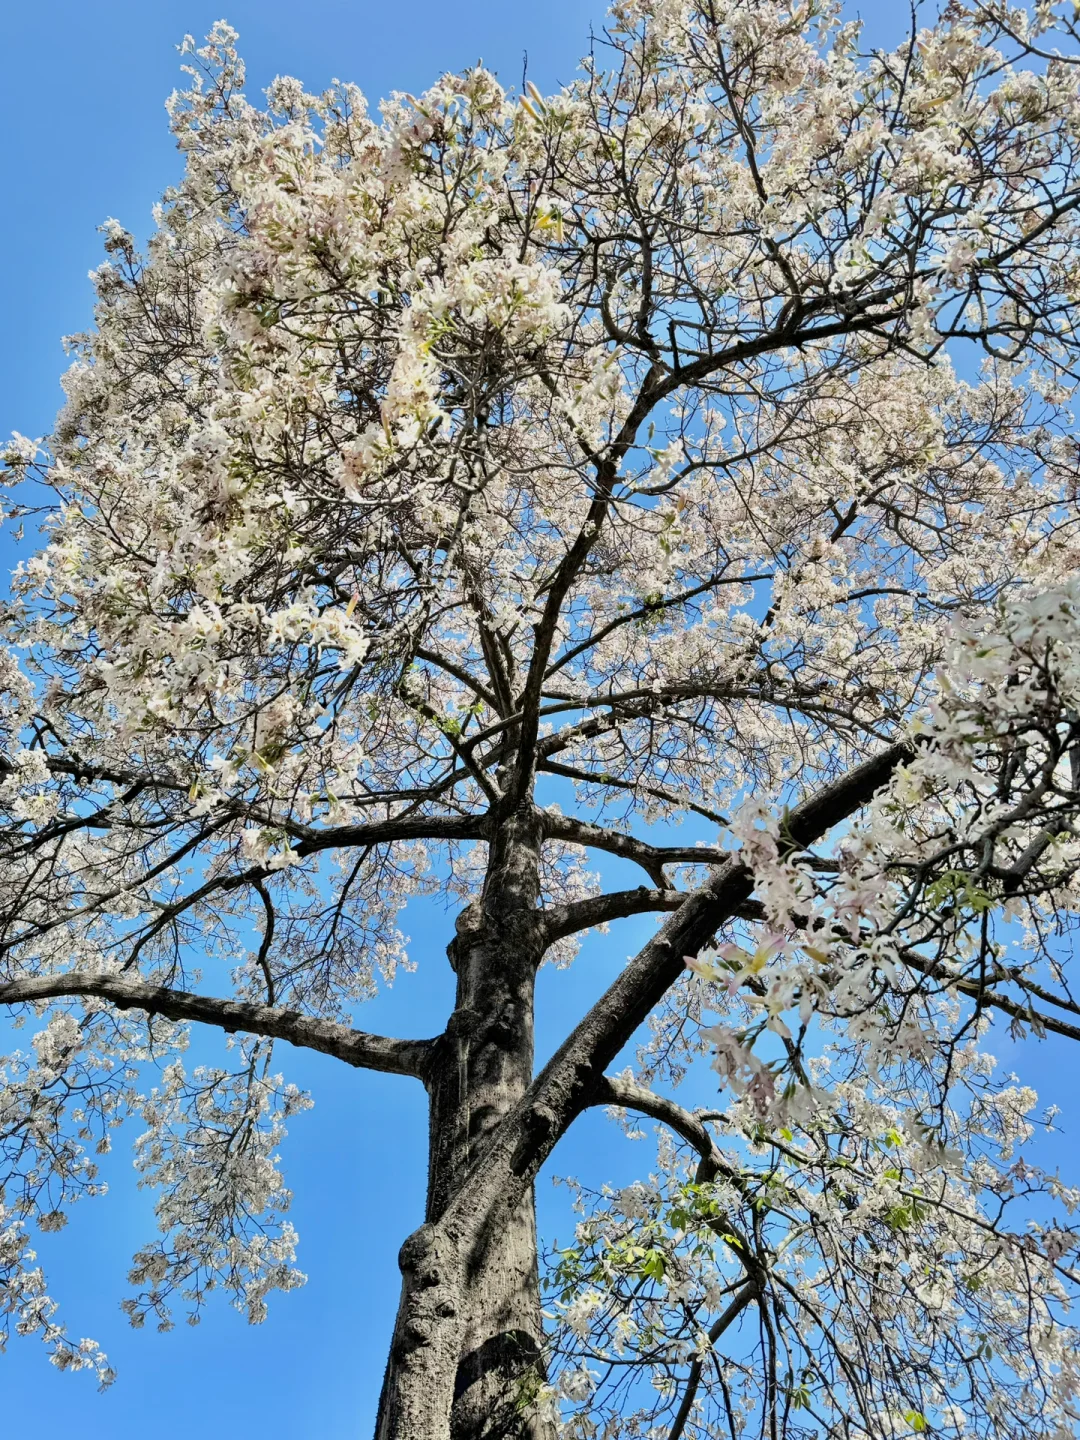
pixel 429 1258
pixel 467 928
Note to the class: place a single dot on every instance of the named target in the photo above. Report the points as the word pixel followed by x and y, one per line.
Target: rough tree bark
pixel 476 1074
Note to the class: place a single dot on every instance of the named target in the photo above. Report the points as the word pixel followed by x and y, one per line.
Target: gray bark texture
pixel 466 1354
pixel 483 1287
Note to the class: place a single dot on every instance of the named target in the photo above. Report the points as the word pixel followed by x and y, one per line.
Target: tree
pixel 443 498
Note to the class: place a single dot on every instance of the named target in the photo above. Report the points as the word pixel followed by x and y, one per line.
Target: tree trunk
pixel 486 1293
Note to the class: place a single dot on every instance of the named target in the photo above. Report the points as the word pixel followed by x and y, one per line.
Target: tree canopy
pixel 444 498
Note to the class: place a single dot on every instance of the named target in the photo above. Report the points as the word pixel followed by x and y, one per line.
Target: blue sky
pixel 81 112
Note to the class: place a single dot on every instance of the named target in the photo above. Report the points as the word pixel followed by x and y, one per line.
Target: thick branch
pixel 69 764
pixel 380 832
pixel 561 920
pixel 569 919
pixel 651 858
pixel 355 1047
pixel 544 632
pixel 628 1095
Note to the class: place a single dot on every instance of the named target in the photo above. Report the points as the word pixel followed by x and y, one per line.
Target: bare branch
pixel 651 858
pixel 561 920
pixel 355 1047
pixel 726 1318
pixel 627 1095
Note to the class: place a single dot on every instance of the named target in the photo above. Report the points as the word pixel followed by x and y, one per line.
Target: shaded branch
pixel 651 858
pixel 313 841
pixel 561 920
pixel 117 775
pixel 459 672
pixel 586 777
pixel 984 996
pixel 354 1047
pixel 722 1322
pixel 629 1095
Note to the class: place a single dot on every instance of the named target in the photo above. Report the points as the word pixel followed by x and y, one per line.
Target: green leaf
pixel 653 1266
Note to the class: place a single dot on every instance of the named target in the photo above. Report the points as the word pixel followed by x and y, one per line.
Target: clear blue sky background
pixel 84 136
